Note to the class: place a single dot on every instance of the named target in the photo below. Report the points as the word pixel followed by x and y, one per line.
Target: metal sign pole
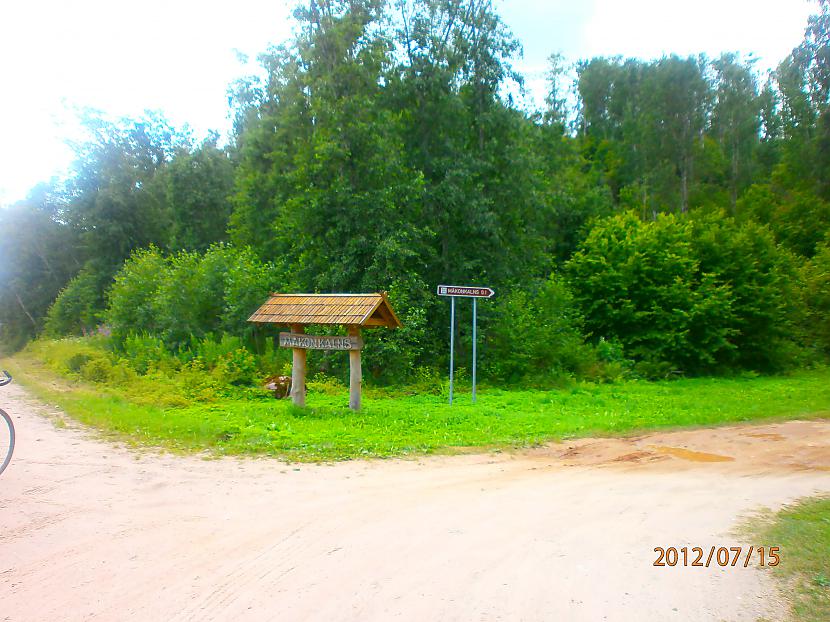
pixel 454 291
pixel 474 350
pixel 452 340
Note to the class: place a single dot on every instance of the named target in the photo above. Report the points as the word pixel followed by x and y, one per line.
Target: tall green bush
pixel 798 218
pixel 133 297
pixel 189 300
pixel 246 285
pixel 536 335
pixel 698 294
pixel 393 355
pixel 78 308
pixel 764 290
pixel 641 283
pixel 189 295
pixel 817 297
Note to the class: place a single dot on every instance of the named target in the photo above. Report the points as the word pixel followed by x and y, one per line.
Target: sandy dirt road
pixel 92 531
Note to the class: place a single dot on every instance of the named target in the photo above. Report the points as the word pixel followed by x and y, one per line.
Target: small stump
pixel 279 385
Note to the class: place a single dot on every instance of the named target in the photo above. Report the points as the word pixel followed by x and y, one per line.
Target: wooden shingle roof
pixel 349 309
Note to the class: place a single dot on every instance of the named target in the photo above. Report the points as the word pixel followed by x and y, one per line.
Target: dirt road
pixel 566 532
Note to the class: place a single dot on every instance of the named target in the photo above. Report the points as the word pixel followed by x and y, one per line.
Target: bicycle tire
pixel 8 458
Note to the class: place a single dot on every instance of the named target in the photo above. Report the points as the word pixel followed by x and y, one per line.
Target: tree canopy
pixel 682 204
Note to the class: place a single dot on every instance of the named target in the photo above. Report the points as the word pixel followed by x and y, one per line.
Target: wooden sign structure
pixel 350 310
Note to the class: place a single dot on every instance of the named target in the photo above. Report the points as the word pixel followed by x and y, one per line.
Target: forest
pixel 655 219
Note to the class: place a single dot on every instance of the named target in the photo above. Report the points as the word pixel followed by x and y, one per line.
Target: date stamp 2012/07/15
pixel 722 556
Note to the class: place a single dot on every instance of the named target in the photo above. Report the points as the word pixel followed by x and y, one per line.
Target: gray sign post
pixel 456 291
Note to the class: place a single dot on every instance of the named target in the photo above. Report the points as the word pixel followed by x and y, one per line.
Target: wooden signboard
pixel 353 311
pixel 320 342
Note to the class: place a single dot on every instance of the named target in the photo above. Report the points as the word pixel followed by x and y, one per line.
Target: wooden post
pixel 298 370
pixel 355 372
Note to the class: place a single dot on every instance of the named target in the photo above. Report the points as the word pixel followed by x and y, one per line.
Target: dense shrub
pixel 133 296
pixel 145 353
pixel 392 355
pixel 246 285
pixel 188 296
pixel 68 356
pixel 817 296
pixel 764 290
pixel 799 219
pixel 697 295
pixel 640 283
pixel 536 335
pixel 236 368
pixel 149 373
pixel 78 308
pixel 189 300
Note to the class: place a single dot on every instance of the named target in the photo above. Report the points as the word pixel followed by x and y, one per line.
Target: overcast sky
pixel 179 56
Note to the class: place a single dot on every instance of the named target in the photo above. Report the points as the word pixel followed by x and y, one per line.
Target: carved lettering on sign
pixel 320 342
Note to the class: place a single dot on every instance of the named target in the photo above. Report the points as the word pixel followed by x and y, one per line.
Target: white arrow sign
pixel 466 292
pixel 461 291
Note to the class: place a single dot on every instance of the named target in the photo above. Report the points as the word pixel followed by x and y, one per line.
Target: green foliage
pixel 197 188
pixel 69 355
pixel 78 308
pixel 698 294
pixel 193 413
pixel 766 312
pixel 38 255
pixel 117 200
pixel 798 218
pixel 247 283
pixel 98 370
pixel 189 299
pixel 211 351
pixel 641 121
pixel 189 295
pixel 148 373
pixel 335 197
pixel 536 336
pixel 146 353
pixel 817 297
pixel 133 295
pixel 802 532
pixel 325 385
pixel 391 356
pixel 640 283
pixel 381 149
pixel 237 367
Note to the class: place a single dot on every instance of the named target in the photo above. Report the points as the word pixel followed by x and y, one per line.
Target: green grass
pixel 420 424
pixel 803 533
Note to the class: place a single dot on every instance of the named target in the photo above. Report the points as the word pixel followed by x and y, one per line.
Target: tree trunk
pixel 25 310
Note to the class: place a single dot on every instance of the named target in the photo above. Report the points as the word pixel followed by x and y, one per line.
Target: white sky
pixel 179 56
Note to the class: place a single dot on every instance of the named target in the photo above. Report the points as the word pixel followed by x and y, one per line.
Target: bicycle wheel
pixel 6 439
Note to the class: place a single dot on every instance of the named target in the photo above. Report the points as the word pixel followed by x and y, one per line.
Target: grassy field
pixel 803 533
pixel 401 424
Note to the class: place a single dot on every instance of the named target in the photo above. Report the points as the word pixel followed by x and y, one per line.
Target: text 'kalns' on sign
pixel 467 292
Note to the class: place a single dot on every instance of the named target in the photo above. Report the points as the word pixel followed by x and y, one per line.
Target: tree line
pixel 676 218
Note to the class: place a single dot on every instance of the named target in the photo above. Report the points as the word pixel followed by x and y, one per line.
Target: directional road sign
pixel 460 291
pixel 466 292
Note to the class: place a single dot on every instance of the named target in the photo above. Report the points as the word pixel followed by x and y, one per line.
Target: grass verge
pixel 420 424
pixel 803 533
